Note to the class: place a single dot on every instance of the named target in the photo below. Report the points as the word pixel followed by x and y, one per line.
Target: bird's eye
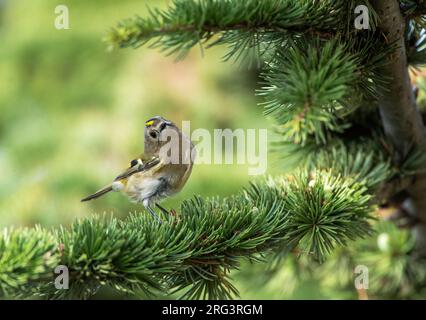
pixel 153 134
pixel 133 163
pixel 163 126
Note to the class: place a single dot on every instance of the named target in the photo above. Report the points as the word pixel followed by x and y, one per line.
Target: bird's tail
pixel 97 194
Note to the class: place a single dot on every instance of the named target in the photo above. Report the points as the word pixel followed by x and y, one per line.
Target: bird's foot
pixel 163 210
pixel 172 212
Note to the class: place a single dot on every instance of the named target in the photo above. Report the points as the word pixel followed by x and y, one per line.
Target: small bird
pixel 161 171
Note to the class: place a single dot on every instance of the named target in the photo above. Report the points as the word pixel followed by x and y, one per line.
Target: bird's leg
pixel 162 209
pixel 152 212
pixel 154 215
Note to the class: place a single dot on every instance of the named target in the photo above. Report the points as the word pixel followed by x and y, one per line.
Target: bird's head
pixel 158 132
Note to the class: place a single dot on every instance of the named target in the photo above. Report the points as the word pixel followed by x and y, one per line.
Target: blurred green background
pixel 72 117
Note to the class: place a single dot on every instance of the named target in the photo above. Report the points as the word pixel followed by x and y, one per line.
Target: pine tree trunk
pixel 401 119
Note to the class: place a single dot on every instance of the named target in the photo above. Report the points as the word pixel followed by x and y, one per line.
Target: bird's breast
pixel 140 188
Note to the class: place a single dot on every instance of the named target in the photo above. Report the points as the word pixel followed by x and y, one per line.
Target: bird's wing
pixel 138 165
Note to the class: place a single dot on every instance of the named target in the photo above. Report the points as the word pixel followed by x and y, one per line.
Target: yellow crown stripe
pixel 149 123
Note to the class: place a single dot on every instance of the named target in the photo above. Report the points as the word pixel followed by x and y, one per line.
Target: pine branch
pixel 193 251
pixel 26 256
pixel 311 87
pixel 302 86
pixel 288 34
pixel 242 24
pixel 361 153
pixel 363 159
pixel 413 8
pixel 416 45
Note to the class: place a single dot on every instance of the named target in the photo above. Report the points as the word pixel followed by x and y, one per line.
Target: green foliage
pixel 303 85
pixel 327 211
pixel 413 163
pixel 311 87
pixel 413 8
pixel 309 83
pixel 416 45
pixel 194 251
pixel 241 24
pixel 27 256
pixel 393 271
pixel 360 161
pixel 319 73
pixel 391 248
pixel 363 159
